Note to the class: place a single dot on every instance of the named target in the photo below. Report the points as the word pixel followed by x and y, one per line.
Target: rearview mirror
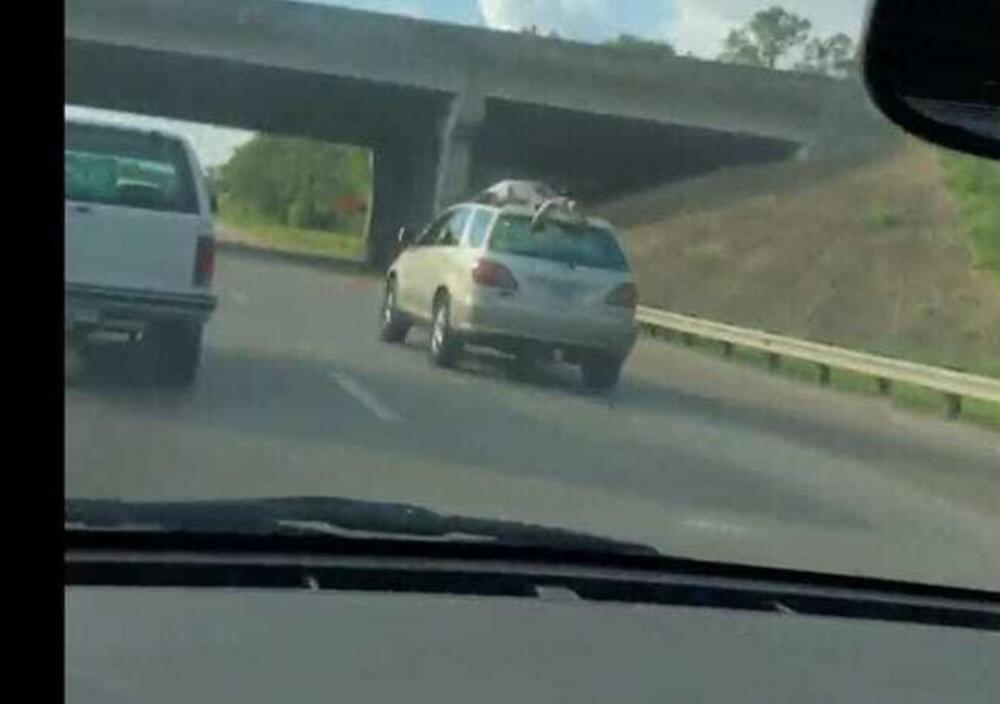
pixel 933 68
pixel 405 236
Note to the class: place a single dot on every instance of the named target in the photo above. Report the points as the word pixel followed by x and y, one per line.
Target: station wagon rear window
pixel 119 167
pixel 575 245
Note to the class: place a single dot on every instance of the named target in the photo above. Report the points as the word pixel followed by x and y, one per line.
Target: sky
pixel 695 26
pixel 698 26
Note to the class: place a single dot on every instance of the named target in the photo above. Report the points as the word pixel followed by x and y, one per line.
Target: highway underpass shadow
pixel 484 363
pixel 121 370
pixel 252 396
pixel 860 443
pixel 229 380
pixel 257 395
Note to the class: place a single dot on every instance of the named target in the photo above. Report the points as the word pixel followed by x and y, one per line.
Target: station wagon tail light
pixel 494 275
pixel 204 261
pixel 625 296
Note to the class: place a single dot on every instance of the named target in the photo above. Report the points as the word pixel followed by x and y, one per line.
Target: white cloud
pixel 698 26
pixel 409 8
pixel 572 18
pixel 702 25
pixel 698 29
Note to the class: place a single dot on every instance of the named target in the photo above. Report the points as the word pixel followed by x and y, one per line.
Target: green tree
pixel 642 47
pixel 767 37
pixel 831 56
pixel 295 181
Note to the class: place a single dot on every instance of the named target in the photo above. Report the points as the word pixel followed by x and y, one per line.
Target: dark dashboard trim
pixel 137 558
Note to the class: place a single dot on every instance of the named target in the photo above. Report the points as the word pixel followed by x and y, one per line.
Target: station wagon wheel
pixel 445 345
pixel 393 325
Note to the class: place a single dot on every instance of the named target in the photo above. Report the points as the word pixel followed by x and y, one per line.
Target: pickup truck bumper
pixel 89 305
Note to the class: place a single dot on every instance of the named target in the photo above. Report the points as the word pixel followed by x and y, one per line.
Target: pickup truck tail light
pixel 204 261
pixel 625 296
pixel 494 275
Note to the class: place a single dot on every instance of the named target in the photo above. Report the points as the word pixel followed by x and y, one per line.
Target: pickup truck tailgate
pixel 134 209
pixel 131 247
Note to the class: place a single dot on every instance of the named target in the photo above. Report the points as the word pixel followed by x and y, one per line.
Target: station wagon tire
pixel 393 327
pixel 601 371
pixel 445 346
pixel 176 353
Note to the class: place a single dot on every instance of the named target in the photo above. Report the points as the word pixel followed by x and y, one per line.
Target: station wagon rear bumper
pixel 507 326
pixel 98 306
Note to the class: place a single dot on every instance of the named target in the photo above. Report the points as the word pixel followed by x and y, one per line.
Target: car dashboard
pixel 195 644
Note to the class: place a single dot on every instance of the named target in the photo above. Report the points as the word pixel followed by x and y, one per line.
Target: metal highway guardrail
pixel 954 385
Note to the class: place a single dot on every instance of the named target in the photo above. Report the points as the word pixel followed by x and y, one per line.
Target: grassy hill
pixel 893 251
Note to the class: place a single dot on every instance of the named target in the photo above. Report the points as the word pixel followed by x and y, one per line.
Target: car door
pixel 444 255
pixel 461 260
pixel 412 269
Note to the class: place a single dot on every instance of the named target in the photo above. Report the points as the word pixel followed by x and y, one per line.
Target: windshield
pixel 577 245
pixel 776 343
pixel 116 167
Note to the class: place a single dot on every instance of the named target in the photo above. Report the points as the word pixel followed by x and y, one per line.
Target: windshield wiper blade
pixel 327 515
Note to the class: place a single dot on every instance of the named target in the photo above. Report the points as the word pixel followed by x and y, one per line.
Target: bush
pixel 300 214
pixel 882 216
pixel 296 182
pixel 975 185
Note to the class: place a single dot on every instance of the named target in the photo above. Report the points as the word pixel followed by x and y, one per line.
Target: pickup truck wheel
pixel 177 350
pixel 527 361
pixel 445 345
pixel 601 371
pixel 74 362
pixel 393 326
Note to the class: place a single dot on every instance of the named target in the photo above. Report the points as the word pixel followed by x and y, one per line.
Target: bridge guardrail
pixel 953 385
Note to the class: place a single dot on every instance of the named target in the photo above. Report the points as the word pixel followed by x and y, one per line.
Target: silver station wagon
pixel 520 270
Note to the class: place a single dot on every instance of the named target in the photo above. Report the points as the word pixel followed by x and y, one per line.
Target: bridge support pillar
pixel 415 178
pixel 456 164
pixel 402 194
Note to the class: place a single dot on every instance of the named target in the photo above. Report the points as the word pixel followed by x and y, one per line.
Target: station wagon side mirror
pixel 405 236
pixel 213 202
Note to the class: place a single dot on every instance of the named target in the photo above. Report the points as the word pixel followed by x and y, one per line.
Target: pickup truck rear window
pixel 119 167
pixel 578 245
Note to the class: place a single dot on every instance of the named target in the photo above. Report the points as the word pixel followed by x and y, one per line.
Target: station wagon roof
pixel 524 210
pixel 524 198
pixel 515 209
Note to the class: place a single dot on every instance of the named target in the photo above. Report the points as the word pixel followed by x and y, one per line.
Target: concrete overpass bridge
pixel 446 108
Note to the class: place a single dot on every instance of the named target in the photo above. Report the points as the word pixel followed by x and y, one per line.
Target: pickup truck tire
pixel 527 361
pixel 74 362
pixel 177 353
pixel 601 371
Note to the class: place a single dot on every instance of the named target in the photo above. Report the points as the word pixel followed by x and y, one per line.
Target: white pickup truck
pixel 139 244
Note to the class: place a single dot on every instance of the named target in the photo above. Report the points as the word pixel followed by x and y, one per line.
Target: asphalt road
pixel 692 454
